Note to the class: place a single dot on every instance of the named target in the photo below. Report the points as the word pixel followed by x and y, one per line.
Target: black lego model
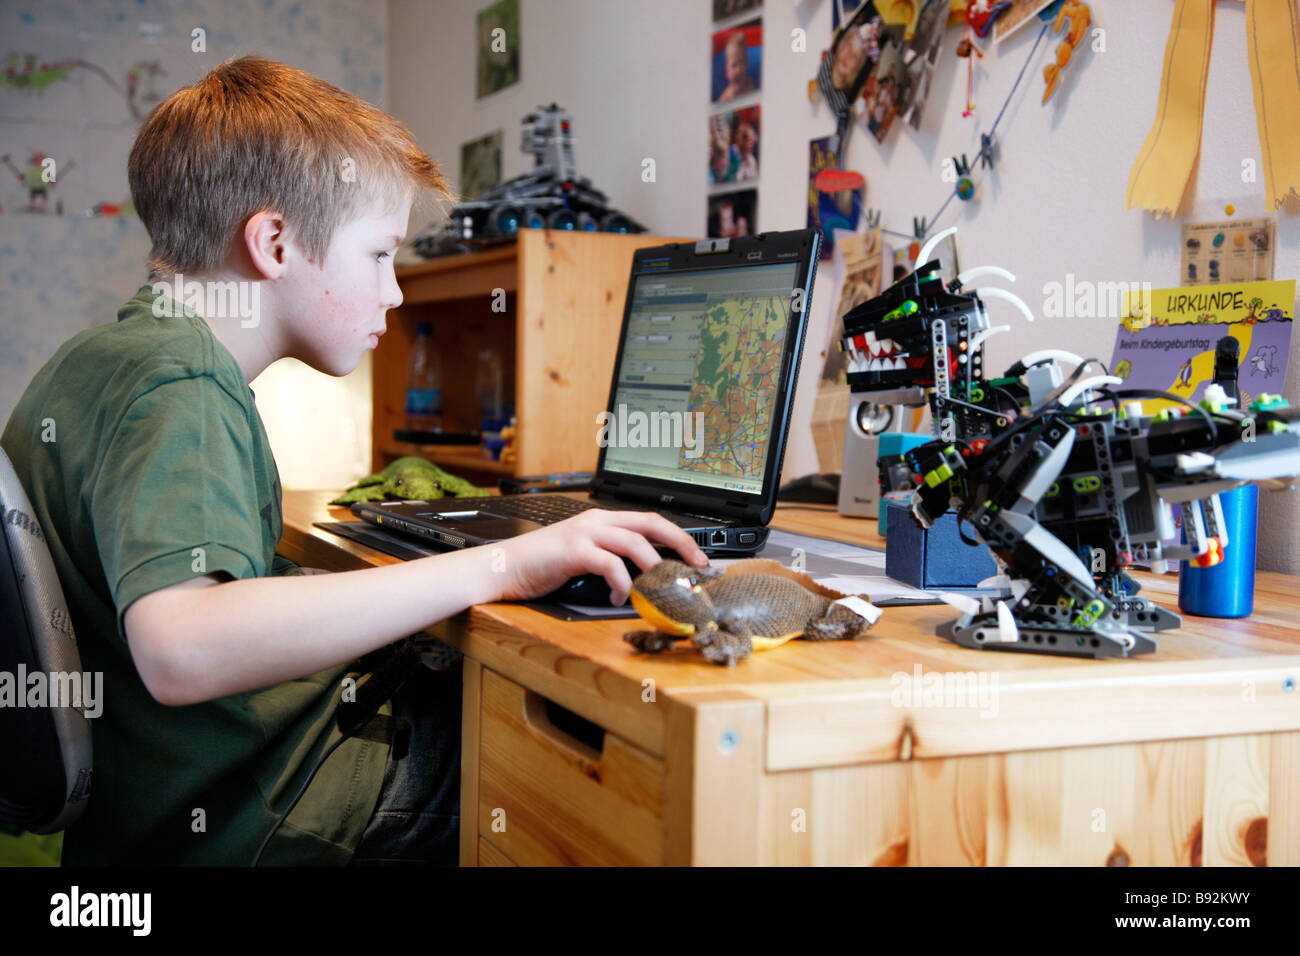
pixel 550 196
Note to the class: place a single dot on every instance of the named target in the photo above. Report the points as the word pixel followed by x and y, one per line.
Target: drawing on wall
pixel 480 165
pixel 28 73
pixel 498 47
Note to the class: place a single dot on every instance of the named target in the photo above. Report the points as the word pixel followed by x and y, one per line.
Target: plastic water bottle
pixel 424 383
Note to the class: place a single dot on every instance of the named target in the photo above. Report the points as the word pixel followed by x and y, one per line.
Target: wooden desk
pixel 809 755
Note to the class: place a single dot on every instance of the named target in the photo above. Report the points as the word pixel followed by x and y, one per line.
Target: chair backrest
pixel 45 752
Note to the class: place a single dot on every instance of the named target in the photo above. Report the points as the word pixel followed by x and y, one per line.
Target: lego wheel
pixel 562 219
pixel 586 223
pixel 615 222
pixel 504 220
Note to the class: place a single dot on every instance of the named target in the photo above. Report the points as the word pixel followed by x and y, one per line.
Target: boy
pixel 142 451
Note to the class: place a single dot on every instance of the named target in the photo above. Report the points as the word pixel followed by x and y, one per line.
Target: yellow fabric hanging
pixel 1164 165
pixel 1275 72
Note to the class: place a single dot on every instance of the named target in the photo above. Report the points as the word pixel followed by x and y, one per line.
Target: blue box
pixel 933 558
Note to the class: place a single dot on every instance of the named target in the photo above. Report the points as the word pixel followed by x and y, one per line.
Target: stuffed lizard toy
pixel 754 605
pixel 410 477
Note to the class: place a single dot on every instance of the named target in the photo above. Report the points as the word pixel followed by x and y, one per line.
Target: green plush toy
pixel 410 477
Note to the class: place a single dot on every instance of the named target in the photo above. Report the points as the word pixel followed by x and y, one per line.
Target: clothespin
pixel 919 227
pixel 873 218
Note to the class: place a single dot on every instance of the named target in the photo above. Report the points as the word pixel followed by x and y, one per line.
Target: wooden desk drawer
pixel 552 791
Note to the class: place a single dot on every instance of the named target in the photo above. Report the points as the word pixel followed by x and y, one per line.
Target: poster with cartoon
pixel 834 195
pixel 1167 337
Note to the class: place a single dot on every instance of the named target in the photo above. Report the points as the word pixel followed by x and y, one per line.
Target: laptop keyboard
pixel 544 509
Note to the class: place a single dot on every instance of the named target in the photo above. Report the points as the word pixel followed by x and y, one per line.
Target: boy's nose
pixel 392 296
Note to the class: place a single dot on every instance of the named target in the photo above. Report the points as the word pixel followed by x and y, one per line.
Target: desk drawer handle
pixel 563 726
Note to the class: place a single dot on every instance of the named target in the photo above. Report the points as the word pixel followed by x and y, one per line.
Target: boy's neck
pixel 235 311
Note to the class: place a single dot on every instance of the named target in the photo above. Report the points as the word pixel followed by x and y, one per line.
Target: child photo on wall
pixel 732 215
pixel 886 88
pixel 733 146
pixel 737 61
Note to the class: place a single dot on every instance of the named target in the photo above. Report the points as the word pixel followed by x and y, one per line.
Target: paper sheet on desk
pixel 848 568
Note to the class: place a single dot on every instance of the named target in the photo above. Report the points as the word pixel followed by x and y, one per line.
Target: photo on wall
pixel 922 58
pixel 498 47
pixel 480 165
pixel 733 146
pixel 736 64
pixel 852 57
pixel 1016 16
pixel 886 90
pixel 732 215
pixel 726 9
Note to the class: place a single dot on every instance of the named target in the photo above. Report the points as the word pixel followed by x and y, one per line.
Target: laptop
pixel 699 407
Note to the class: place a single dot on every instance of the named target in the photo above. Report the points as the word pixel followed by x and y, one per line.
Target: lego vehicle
pixel 550 196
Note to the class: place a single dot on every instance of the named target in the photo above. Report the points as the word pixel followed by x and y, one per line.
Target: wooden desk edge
pixel 857 721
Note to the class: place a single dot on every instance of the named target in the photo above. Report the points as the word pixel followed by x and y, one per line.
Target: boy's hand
pixel 593 542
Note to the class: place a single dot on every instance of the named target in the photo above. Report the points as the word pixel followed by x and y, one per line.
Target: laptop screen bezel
pixel 798 246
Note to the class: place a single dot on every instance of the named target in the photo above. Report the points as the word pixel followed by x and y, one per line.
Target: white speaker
pixel 859 479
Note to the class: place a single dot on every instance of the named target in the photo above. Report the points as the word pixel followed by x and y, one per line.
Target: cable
pixel 296 797
pixel 1170 397
pixel 993 129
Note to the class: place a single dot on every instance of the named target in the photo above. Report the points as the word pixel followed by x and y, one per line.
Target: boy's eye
pixel 380 256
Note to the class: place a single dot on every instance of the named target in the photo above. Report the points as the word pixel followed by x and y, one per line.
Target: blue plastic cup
pixel 1228 588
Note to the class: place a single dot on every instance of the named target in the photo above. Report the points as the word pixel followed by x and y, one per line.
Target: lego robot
pixel 1065 480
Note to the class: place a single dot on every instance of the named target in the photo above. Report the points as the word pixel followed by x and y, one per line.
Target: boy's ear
pixel 265 239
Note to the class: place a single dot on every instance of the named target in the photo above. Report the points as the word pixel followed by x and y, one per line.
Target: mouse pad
pixel 407 549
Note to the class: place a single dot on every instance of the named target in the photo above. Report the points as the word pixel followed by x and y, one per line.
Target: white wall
pixel 635 77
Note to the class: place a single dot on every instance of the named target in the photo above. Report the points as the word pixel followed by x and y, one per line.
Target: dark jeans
pixel 417 819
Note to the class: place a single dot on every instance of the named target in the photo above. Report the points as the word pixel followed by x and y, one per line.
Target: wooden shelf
pixel 555 327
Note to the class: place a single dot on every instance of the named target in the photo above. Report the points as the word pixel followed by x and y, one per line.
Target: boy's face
pixel 329 311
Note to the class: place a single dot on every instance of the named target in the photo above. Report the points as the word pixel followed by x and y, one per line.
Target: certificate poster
pixel 1167 338
pixel 1232 251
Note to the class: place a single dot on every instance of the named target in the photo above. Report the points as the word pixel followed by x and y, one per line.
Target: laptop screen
pixel 696 384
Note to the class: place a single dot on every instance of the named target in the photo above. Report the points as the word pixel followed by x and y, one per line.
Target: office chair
pixel 45 751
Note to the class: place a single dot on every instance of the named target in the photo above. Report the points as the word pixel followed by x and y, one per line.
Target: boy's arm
pixel 204 639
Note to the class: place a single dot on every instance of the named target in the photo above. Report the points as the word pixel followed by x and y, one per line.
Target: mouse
pixel 591 590
pixel 812 488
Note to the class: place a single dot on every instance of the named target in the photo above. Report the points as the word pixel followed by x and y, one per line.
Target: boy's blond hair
pixel 256 135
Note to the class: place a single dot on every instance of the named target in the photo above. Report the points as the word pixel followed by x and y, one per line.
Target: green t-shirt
pixel 146 461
